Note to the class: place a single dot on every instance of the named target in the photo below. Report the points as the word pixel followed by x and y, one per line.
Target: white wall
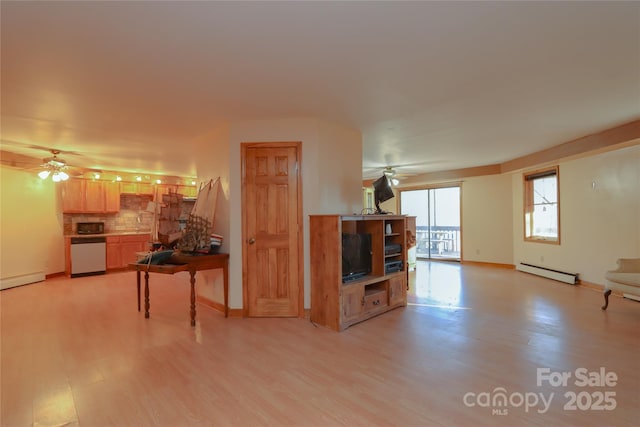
pixel 331 180
pixel 487 232
pixel 31 226
pixel 597 225
pixel 212 162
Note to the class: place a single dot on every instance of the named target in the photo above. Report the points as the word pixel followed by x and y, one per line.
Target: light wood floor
pixel 77 352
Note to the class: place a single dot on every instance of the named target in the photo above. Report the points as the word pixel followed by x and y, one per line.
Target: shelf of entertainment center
pixel 368 280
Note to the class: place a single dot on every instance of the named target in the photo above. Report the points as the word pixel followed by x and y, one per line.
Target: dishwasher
pixel 88 256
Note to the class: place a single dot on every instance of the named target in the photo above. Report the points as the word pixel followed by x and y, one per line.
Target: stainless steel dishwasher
pixel 88 256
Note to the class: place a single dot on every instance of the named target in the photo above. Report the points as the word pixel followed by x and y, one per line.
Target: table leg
pixel 146 295
pixel 193 298
pixel 138 284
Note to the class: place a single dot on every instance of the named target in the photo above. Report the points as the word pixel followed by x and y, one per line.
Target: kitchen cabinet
pixel 166 189
pixel 88 196
pixel 187 190
pixel 122 250
pixel 136 188
pixel 73 195
pixel 112 196
pixel 130 245
pixel 94 199
pixel 114 257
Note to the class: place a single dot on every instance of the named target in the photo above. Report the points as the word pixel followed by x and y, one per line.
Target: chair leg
pixel 606 299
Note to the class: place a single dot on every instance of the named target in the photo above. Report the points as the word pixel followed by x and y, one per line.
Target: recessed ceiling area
pixel 431 86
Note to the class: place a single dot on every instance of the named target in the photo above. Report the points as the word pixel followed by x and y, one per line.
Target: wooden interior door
pixel 272 238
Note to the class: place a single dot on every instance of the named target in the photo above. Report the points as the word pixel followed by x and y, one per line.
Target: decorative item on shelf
pixel 169 231
pixel 197 236
pixel 215 243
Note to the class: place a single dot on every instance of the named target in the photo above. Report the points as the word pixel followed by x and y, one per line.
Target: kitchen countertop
pixel 118 233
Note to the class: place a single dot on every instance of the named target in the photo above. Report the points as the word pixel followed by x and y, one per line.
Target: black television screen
pixel 356 256
pixel 381 192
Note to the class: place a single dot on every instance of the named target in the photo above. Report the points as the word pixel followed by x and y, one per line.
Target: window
pixel 542 206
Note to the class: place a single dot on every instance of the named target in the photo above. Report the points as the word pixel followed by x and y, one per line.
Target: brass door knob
pixel 252 241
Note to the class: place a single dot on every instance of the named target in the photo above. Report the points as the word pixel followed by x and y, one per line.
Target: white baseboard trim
pixel 23 279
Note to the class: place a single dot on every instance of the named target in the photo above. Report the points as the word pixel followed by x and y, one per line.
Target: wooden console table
pixel 178 263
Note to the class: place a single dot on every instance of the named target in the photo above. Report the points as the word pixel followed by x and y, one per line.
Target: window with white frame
pixel 542 206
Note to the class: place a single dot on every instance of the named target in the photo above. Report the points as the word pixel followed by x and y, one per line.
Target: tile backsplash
pixel 133 216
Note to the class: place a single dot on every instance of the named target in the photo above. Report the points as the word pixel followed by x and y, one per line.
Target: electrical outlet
pixel 542 258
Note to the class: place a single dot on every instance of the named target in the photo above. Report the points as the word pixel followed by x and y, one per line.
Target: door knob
pixel 252 241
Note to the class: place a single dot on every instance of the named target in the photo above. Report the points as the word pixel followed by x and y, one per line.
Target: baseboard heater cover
pixel 24 279
pixel 570 278
pixel 631 296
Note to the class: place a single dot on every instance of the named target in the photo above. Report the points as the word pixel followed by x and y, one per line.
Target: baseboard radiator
pixel 571 278
pixel 23 279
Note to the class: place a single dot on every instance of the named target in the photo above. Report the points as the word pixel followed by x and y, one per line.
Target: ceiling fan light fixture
pixel 56 163
pixel 59 176
pixel 57 173
pixel 54 167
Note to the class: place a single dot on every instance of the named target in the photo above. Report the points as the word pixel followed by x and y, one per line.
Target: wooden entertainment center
pixel 338 305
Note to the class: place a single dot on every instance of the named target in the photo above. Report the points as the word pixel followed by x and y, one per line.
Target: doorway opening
pixel 437 212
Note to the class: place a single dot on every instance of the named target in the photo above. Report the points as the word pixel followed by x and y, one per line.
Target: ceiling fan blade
pixel 23 146
pixel 17 160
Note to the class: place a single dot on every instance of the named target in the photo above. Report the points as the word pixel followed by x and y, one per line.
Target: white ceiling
pixel 431 85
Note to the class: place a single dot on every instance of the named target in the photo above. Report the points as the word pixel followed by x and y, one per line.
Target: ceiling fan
pixel 55 167
pixel 390 173
pixel 396 172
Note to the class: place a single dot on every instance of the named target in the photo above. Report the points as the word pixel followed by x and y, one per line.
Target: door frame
pixel 452 184
pixel 300 240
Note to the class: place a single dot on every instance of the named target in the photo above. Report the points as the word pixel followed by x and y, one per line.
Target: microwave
pixel 90 227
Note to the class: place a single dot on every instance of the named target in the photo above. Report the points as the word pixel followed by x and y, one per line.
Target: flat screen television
pixel 381 192
pixel 356 256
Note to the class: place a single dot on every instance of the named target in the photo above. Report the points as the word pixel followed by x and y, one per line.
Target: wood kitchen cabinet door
pixel 114 256
pixel 136 188
pixel 94 197
pixel 187 190
pixel 112 196
pixel 73 196
pixel 130 245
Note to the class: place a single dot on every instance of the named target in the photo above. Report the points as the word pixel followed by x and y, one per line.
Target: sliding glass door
pixel 437 212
